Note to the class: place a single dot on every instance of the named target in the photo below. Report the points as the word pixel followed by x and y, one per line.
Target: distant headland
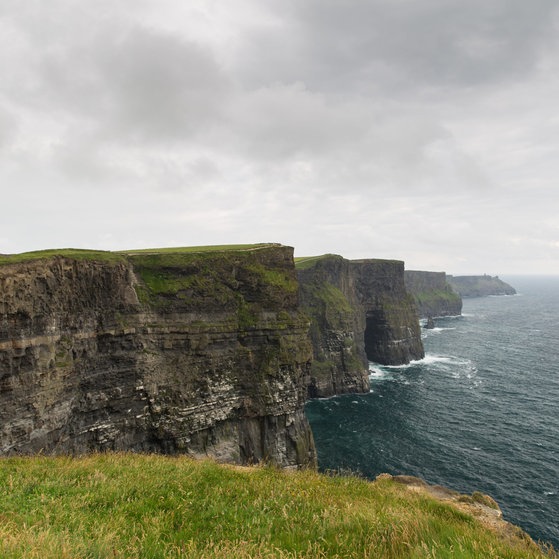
pixel 480 286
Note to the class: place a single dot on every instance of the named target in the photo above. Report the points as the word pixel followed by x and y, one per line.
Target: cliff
pixel 480 286
pixel 202 352
pixel 360 311
pixel 328 297
pixel 433 294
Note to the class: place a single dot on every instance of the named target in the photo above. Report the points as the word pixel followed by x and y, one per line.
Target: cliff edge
pixel 201 351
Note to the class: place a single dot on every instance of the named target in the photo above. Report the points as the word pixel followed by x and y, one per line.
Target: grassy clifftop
pixel 74 253
pixel 120 256
pixel 214 275
pixel 139 506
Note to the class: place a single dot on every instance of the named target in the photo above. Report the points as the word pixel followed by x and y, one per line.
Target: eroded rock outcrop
pixel 481 507
pixel 433 294
pixel 360 311
pixel 205 353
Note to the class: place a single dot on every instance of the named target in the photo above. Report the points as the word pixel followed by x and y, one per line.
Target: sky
pixel 419 130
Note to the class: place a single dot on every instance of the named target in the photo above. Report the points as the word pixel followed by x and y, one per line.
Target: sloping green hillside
pixel 147 506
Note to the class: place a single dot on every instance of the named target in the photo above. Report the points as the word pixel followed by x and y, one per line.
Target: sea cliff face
pixel 202 353
pixel 360 311
pixel 433 294
pixel 329 298
pixel 480 286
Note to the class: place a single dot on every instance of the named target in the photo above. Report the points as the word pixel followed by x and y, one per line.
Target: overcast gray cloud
pixel 391 45
pixel 423 130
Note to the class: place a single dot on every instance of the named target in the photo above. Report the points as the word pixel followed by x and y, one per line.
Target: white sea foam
pixel 455 367
pixel 430 359
pixel 405 366
pixel 380 371
pixel 376 373
pixel 436 330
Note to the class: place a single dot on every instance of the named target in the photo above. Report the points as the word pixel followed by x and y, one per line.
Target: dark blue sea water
pixel 480 412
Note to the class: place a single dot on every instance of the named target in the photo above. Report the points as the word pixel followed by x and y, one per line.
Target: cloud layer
pixel 425 131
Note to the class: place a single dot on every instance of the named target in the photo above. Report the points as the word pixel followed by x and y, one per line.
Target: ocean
pixel 479 413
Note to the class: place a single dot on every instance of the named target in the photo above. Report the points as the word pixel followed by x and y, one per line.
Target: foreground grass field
pixel 138 506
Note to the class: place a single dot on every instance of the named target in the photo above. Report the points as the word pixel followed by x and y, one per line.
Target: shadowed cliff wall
pixel 360 311
pixel 204 353
pixel 433 294
pixel 329 298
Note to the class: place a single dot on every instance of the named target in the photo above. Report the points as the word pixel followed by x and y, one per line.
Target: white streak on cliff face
pixel 84 366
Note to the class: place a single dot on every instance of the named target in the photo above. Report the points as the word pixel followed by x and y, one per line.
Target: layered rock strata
pixel 360 311
pixel 203 353
pixel 433 294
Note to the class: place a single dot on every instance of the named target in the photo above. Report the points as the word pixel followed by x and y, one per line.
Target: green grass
pixel 197 273
pixel 120 256
pixel 208 248
pixel 305 262
pixel 323 301
pixel 333 300
pixel 215 273
pixel 146 506
pixel 75 253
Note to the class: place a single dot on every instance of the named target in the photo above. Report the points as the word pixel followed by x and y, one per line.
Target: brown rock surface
pixel 200 353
